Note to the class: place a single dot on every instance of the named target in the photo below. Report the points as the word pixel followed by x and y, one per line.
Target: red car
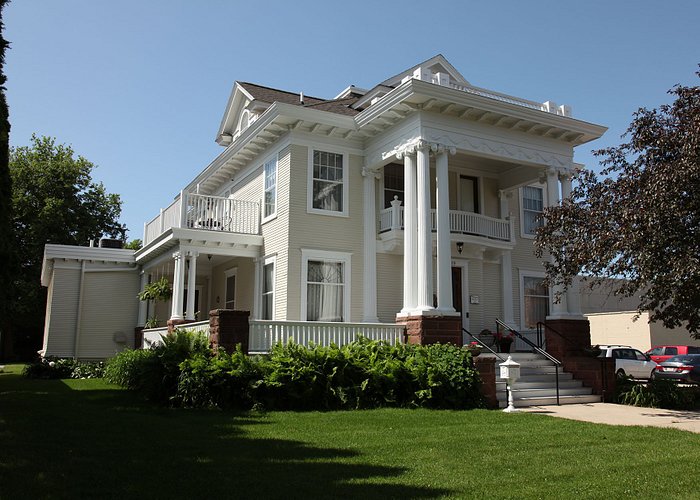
pixel 661 353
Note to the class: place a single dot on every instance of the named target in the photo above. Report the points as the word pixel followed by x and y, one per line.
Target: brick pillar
pixel 228 328
pixel 486 367
pixel 567 337
pixel 432 329
pixel 138 337
pixel 174 323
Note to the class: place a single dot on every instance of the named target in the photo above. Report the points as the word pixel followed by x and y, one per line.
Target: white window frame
pixel 530 274
pixel 228 273
pixel 326 256
pixel 261 276
pixel 274 158
pixel 310 183
pixel 542 188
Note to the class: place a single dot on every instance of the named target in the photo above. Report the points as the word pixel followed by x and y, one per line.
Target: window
pixel 328 186
pixel 268 290
pixel 326 285
pixel 535 301
pixel 532 207
pixel 671 351
pixel 270 195
pixel 230 295
pixel 393 183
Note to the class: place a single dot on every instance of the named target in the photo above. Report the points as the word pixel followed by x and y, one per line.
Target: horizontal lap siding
pixel 491 296
pixel 110 308
pixel 324 232
pixel 523 257
pixel 62 313
pixel 389 286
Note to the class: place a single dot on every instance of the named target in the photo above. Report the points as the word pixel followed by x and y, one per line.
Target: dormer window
pixel 243 122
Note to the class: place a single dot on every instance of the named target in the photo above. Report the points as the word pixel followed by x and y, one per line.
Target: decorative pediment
pixel 437 66
pixel 237 115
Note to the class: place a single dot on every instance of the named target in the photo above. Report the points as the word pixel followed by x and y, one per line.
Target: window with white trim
pixel 270 193
pixel 393 183
pixel 230 292
pixel 535 301
pixel 532 205
pixel 328 182
pixel 325 285
pixel 268 290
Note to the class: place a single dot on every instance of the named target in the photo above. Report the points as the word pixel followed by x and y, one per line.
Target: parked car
pixel 629 361
pixel 680 369
pixel 661 353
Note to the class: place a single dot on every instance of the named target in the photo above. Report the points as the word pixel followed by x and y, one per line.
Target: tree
pixel 639 224
pixel 6 254
pixel 54 200
pixel 136 244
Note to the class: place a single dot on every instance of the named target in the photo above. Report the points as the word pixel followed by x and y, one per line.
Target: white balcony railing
pixel 213 213
pixel 391 219
pixel 154 336
pixel 264 334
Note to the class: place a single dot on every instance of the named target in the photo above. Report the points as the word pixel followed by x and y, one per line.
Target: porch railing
pixel 391 219
pixel 264 334
pixel 153 336
pixel 212 213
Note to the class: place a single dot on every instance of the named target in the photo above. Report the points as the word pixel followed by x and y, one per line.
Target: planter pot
pixel 505 346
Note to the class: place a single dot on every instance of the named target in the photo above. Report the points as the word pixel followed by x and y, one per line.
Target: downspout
pixel 76 343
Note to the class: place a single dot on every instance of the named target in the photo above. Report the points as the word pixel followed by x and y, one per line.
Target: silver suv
pixel 629 361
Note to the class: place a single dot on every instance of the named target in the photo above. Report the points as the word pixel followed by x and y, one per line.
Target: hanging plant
pixel 157 290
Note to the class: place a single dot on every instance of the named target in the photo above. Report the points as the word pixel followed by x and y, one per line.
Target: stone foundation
pixel 432 329
pixel 173 323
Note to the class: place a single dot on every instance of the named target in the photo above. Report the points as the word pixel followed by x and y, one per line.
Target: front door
pixel 469 194
pixel 458 295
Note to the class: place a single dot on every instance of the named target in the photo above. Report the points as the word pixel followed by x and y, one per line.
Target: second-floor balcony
pixel 210 213
pixel 465 223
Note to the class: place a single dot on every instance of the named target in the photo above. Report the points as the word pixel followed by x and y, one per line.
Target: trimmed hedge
pixel 362 374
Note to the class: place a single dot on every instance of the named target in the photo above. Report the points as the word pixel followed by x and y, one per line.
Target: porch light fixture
pixel 460 247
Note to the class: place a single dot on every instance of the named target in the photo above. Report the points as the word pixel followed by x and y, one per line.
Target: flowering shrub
pixel 57 368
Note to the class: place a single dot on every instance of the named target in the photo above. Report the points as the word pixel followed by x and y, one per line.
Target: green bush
pixel 58 368
pixel 658 394
pixel 362 374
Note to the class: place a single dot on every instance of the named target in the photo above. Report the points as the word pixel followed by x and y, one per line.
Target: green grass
pixel 87 439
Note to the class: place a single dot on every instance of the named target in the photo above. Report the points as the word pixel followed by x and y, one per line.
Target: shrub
pixel 658 394
pixel 58 368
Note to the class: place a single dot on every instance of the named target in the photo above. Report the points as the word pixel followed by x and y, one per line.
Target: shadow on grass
pixel 57 442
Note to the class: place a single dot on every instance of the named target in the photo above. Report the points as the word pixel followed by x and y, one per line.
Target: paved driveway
pixel 614 414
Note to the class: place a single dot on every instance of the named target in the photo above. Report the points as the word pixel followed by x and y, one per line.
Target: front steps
pixel 537 384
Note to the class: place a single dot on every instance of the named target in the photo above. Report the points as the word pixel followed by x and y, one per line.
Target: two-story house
pixel 414 201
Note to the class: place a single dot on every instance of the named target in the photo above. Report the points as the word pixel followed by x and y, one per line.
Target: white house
pixel 414 200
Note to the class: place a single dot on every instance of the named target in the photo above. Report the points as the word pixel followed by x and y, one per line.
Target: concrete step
pixel 526 393
pixel 542 377
pixel 551 400
pixel 541 384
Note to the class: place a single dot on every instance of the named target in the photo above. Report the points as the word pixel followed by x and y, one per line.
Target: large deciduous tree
pixel 54 200
pixel 638 224
pixel 6 254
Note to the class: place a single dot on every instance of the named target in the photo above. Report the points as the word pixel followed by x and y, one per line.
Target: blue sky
pixel 139 87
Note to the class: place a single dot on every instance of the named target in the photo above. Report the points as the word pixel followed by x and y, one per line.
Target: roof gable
pixel 436 64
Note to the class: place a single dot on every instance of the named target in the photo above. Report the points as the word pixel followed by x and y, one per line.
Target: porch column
pixel 558 308
pixel 369 295
pixel 191 284
pixel 410 236
pixel 444 254
pixel 425 236
pixel 573 293
pixel 143 304
pixel 178 287
pixel 506 264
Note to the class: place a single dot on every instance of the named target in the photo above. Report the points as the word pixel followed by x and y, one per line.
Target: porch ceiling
pixel 203 241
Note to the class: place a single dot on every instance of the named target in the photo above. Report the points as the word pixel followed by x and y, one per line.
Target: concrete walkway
pixel 614 414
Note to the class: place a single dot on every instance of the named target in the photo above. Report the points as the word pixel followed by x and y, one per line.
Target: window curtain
pixel 325 287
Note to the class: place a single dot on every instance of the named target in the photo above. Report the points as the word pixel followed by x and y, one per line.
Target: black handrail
pixel 535 348
pixel 482 344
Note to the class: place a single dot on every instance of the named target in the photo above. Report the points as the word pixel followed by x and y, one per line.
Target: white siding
pixel 62 312
pixel 389 286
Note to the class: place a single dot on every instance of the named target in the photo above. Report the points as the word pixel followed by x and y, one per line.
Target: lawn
pixel 87 439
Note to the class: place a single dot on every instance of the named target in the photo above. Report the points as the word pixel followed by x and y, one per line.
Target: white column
pixel 506 265
pixel 410 235
pixel 369 292
pixel 558 308
pixel 191 284
pixel 178 287
pixel 573 293
pixel 143 304
pixel 444 254
pixel 425 236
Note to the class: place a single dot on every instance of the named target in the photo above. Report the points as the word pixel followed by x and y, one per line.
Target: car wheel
pixel 652 376
pixel 620 374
